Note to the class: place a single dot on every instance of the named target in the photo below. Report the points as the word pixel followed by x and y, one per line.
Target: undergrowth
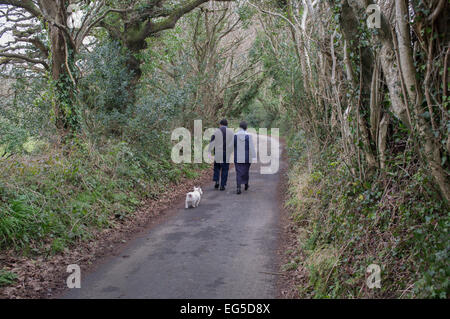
pixel 344 224
pixel 58 196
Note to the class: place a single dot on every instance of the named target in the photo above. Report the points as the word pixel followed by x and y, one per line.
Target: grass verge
pixel 343 225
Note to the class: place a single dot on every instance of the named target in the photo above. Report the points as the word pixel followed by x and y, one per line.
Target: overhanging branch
pixel 27 5
pixel 172 19
pixel 24 58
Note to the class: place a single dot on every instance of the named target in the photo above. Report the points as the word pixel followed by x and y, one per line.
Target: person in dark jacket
pixel 222 143
pixel 244 155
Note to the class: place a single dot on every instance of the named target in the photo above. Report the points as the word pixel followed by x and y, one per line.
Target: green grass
pixel 33 144
pixel 51 200
pixel 7 278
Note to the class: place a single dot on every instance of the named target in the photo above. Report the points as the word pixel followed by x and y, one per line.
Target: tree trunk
pixel 432 154
pixel 349 24
pixel 65 117
pixel 405 51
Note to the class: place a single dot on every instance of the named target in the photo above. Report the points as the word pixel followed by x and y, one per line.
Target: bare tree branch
pixel 28 5
pixel 25 58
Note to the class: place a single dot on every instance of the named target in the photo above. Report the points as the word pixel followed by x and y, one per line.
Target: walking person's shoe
pixel 239 192
pixel 222 188
pixel 216 186
pixel 246 187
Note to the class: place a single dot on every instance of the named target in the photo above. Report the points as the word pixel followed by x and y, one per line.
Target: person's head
pixel 243 125
pixel 224 122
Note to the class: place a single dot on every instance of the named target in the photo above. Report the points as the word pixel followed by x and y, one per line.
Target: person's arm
pixel 211 143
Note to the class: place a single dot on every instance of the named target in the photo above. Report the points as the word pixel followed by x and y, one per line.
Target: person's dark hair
pixel 243 125
pixel 224 122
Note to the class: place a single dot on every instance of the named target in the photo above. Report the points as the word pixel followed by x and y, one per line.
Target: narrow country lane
pixel 225 248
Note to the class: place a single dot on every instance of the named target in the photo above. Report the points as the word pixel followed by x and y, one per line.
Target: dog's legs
pixel 187 205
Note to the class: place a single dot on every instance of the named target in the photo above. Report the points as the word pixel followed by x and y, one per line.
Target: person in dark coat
pixel 244 155
pixel 222 143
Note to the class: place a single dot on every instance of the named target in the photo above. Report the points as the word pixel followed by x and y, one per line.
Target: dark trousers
pixel 221 171
pixel 242 173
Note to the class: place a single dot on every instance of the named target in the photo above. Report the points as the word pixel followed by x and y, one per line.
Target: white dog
pixel 193 198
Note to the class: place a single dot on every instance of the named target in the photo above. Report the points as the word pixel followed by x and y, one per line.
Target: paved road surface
pixel 225 248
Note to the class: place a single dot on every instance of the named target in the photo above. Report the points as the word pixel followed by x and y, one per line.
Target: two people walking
pixel 224 142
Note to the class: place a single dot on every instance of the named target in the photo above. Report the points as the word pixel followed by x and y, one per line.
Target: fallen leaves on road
pixel 45 276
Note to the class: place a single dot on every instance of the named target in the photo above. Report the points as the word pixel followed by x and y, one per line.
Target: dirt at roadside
pixel 45 276
pixel 288 280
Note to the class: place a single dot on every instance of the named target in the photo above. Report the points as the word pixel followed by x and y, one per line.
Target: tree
pixel 36 21
pixel 145 19
pixel 50 44
pixel 400 69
